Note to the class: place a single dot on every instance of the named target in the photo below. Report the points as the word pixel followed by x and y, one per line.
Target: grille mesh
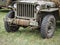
pixel 25 10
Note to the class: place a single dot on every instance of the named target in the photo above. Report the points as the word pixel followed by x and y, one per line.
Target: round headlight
pixel 38 8
pixel 15 5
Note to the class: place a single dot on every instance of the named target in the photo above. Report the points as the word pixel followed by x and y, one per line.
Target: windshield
pixel 33 0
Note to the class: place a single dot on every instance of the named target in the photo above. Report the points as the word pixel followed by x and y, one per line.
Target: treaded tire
pixel 11 27
pixel 48 24
pixel 0 7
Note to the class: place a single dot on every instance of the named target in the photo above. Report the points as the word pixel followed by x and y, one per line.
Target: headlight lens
pixel 15 5
pixel 38 8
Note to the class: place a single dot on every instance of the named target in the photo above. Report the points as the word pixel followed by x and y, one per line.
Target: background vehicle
pixel 35 14
pixel 5 3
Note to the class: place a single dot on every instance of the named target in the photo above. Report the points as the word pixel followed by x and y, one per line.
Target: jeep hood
pixel 37 2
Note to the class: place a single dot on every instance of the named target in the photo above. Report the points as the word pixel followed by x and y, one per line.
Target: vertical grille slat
pixel 30 10
pixel 25 10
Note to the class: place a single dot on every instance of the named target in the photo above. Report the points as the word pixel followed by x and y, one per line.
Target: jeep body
pixel 35 14
pixel 31 11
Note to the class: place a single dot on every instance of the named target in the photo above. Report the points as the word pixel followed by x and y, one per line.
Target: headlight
pixel 15 5
pixel 38 8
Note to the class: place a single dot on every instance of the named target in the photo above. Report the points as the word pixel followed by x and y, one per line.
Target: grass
pixel 25 36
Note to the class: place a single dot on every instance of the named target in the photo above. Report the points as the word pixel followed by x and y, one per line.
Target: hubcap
pixel 51 28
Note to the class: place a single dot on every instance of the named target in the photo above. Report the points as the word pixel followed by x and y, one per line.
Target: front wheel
pixel 48 26
pixel 10 27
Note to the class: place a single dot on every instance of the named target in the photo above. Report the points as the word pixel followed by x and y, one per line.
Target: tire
pixel 10 27
pixel 0 7
pixel 48 26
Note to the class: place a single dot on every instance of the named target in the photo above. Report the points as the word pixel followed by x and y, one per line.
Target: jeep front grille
pixel 25 10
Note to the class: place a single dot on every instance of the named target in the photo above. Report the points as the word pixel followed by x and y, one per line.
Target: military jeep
pixel 35 14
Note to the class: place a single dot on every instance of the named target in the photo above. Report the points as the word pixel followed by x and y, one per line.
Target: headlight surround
pixel 15 6
pixel 38 7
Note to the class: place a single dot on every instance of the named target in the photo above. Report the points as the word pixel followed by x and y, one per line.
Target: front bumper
pixel 22 22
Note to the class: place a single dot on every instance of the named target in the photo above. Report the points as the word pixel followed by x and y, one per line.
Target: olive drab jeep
pixel 36 14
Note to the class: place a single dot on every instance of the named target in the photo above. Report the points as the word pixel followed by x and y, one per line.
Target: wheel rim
pixel 51 27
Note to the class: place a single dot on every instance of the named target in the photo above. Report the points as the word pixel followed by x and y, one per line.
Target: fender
pixel 53 11
pixel 49 10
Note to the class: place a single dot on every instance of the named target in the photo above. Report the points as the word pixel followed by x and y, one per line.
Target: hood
pixel 38 2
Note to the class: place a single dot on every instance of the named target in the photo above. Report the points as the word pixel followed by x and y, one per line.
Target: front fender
pixel 49 10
